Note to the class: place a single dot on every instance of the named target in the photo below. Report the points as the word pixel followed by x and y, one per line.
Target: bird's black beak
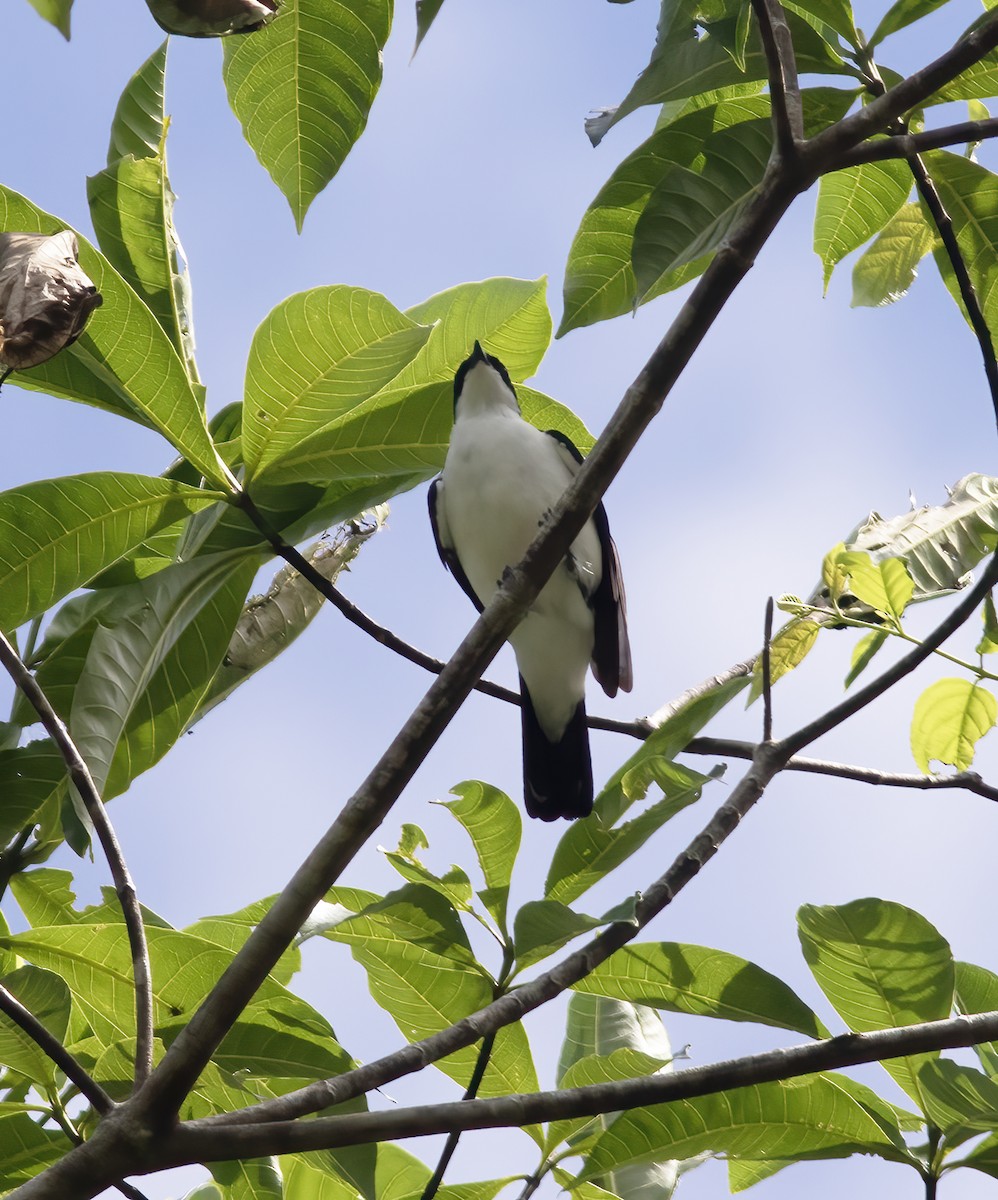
pixel 477 355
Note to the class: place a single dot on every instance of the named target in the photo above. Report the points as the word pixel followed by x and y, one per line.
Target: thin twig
pixel 201 1140
pixel 481 1063
pixel 781 63
pixel 80 775
pixel 906 145
pixel 968 781
pixel 968 293
pixel 25 1020
pixel 767 674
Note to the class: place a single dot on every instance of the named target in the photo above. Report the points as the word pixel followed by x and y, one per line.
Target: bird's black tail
pixel 557 776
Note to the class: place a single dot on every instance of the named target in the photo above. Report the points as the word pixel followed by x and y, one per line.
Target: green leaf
pixel 249 1179
pixel 126 653
pixel 56 12
pixel 599 277
pixel 961 1101
pixel 690 213
pixel 854 205
pixel 131 205
pixel 989 639
pixel 591 849
pixel 26 1148
pixel 984 1157
pixel 46 996
pixel 123 361
pixel 375 1172
pixel 29 777
pixel 950 718
pixel 969 193
pixel 455 886
pixel 862 654
pixel 302 89
pixel 977 992
pixel 887 268
pixel 542 927
pixel 690 55
pixel 45 896
pixel 884 585
pixel 422 971
pixel 901 14
pixel 494 825
pixel 813 1117
pixel 882 966
pixel 316 359
pixel 426 11
pixel 701 981
pixel 57 534
pixel 788 649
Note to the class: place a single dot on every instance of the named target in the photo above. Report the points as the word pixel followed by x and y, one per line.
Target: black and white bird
pixel 500 478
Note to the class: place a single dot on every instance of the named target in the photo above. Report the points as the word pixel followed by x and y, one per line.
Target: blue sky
pixel 796 418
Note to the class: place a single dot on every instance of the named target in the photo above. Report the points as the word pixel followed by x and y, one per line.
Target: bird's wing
pixel 611 647
pixel 441 535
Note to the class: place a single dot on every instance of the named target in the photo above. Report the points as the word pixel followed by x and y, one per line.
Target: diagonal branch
pixel 80 775
pixel 25 1020
pixel 784 88
pixel 198 1141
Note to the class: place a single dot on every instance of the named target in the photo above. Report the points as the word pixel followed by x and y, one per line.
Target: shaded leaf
pixel 960 1100
pixel 977 992
pixel 882 966
pixel 46 996
pixel 701 981
pixel 57 534
pixel 900 14
pixel 544 926
pixel 426 11
pixel 862 654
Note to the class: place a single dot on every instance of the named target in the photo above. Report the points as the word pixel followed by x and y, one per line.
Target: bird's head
pixel 482 384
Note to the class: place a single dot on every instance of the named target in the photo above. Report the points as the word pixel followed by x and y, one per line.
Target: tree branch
pixel 205 1140
pixel 80 775
pixel 822 151
pixel 784 89
pixel 907 145
pixel 968 781
pixel 25 1020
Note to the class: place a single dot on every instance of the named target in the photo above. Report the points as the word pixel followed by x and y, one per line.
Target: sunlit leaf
pixel 887 268
pixel 854 205
pixel 494 825
pixel 950 718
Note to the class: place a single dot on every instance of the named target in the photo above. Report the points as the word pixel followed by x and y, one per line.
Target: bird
pixel 500 479
pixel 211 18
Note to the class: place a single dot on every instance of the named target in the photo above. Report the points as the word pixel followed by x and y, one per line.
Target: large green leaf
pixel 126 653
pixel 123 361
pixel 690 213
pixel 302 89
pixel 29 777
pixel 131 205
pixel 375 1172
pixel 977 992
pixel 589 849
pixel 812 1117
pixel 855 205
pixel 46 996
pixel 57 534
pixel 249 1179
pixel 882 966
pixel 950 718
pixel 887 268
pixel 693 54
pixel 969 193
pixel 422 971
pixel 316 360
pixel 701 981
pixel 961 1101
pixel 542 927
pixel 494 825
pixel 26 1148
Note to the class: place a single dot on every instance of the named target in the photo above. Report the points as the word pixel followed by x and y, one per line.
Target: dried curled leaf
pixel 45 298
pixel 211 18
